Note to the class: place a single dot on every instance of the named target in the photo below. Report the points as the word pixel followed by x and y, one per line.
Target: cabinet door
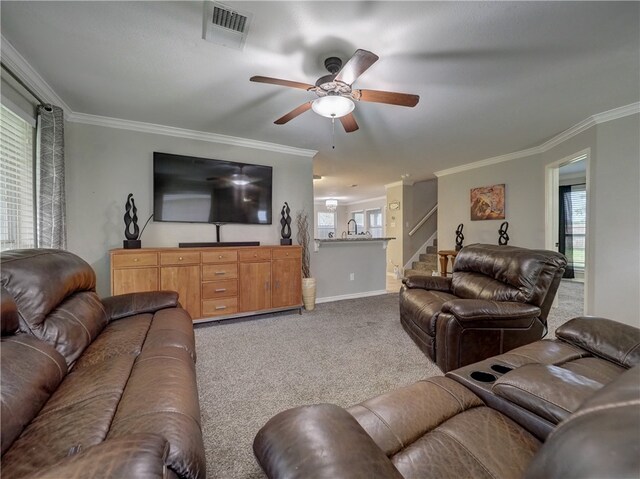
pixel 255 286
pixel 134 280
pixel 186 281
pixel 287 283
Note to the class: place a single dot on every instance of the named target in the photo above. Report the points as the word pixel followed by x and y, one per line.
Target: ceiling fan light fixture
pixel 333 106
pixel 240 179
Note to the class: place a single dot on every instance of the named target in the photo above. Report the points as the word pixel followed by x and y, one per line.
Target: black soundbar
pixel 219 244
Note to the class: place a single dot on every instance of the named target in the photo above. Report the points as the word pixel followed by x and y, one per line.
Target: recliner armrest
pixel 318 442
pixel 138 455
pixel 124 305
pixel 467 310
pixel 617 342
pixel 433 283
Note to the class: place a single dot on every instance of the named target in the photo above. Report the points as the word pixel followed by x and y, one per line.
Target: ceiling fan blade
pixel 293 113
pixel 349 123
pixel 278 81
pixel 356 66
pixel 389 97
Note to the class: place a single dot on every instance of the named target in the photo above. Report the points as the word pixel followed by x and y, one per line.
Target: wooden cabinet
pixel 286 281
pixel 134 280
pixel 186 281
pixel 214 283
pixel 255 286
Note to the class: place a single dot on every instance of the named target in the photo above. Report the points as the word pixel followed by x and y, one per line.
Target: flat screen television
pixel 198 190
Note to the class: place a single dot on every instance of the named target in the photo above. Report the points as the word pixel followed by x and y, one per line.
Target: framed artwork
pixel 487 203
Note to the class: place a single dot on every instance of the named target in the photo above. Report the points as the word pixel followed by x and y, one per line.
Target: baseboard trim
pixel 366 294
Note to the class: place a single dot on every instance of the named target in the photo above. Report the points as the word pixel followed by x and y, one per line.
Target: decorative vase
pixel 309 293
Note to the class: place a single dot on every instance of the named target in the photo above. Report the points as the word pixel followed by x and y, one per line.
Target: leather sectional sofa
pixel 497 299
pixel 90 387
pixel 564 408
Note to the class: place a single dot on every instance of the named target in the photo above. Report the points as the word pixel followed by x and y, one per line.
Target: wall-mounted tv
pixel 199 190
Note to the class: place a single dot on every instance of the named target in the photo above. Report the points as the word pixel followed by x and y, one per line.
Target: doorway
pixel 567 215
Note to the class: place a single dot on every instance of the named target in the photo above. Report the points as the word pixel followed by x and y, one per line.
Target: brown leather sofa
pixel 565 408
pixel 94 388
pixel 497 298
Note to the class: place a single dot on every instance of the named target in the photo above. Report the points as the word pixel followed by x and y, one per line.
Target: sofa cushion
pixel 31 372
pixel 165 371
pixel 54 292
pixel 79 414
pixel 530 272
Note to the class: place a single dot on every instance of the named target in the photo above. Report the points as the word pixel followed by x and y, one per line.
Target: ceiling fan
pixel 335 95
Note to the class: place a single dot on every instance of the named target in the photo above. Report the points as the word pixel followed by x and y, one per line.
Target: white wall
pixel 104 164
pixel 613 244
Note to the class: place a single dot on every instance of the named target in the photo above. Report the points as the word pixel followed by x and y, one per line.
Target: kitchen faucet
pixel 355 227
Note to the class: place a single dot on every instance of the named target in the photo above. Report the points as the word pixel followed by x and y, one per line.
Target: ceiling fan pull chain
pixel 333 132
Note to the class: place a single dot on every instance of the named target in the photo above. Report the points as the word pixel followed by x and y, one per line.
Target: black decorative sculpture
pixel 285 221
pixel 131 217
pixel 503 239
pixel 459 237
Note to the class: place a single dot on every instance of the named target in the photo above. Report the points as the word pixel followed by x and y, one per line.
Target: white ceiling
pixel 493 78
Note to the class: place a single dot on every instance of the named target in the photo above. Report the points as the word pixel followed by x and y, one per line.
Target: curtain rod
pixel 23 84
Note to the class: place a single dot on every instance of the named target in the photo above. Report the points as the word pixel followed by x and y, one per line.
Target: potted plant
pixel 308 283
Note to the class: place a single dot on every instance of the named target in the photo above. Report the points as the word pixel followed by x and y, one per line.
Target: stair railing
pixel 423 220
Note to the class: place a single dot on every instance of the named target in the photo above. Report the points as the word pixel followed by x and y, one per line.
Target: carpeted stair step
pixel 429 258
pixel 422 266
pixel 432 249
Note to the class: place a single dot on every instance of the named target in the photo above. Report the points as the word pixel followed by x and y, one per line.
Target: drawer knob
pixel 255 255
pixel 287 253
pixel 220 257
pixel 135 260
pixel 180 258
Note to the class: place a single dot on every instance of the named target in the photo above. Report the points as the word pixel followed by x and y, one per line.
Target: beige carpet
pixel 342 353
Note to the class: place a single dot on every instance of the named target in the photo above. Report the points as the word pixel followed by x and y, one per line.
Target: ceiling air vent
pixel 225 26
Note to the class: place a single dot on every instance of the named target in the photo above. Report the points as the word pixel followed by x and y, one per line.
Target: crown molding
pixel 153 128
pixel 359 202
pixel 399 183
pixel 21 67
pixel 598 118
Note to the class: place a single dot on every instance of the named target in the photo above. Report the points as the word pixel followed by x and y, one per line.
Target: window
pixel 358 216
pixel 326 224
pixel 575 225
pixel 374 223
pixel 17 215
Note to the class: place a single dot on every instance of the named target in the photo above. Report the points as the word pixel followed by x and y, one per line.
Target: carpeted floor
pixel 342 353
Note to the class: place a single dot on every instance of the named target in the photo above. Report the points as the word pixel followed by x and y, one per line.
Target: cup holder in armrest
pixel 499 368
pixel 483 377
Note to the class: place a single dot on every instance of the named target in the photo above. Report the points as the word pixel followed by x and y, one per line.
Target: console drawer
pixel 124 260
pixel 218 307
pixel 176 258
pixel 220 289
pixel 221 256
pixel 286 252
pixel 255 254
pixel 213 272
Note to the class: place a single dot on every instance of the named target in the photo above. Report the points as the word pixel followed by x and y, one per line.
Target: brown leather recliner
pixel 91 387
pixel 497 298
pixel 554 409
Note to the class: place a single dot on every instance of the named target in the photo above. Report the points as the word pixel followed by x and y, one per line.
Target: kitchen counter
pixel 353 239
